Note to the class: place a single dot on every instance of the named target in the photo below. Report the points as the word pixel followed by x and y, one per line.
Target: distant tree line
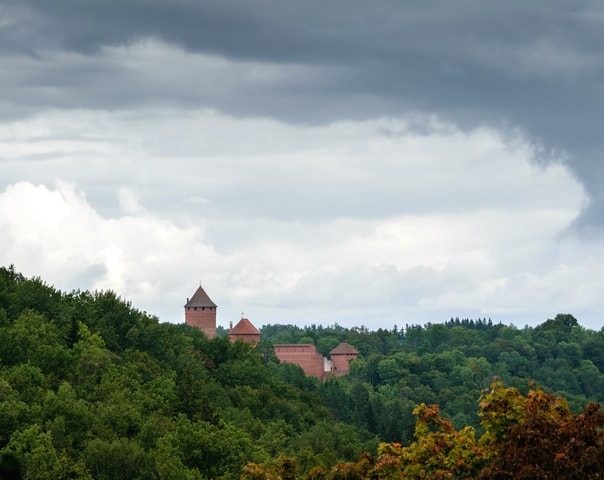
pixel 449 364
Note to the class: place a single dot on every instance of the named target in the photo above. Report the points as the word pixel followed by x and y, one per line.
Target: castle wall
pixel 304 355
pixel 341 362
pixel 203 318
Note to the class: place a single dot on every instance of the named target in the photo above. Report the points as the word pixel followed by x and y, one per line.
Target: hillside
pixel 90 387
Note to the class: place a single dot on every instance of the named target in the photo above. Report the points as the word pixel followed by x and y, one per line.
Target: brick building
pixel 304 355
pixel 245 331
pixel 341 356
pixel 200 312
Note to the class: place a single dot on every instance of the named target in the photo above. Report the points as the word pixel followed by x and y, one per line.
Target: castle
pixel 200 312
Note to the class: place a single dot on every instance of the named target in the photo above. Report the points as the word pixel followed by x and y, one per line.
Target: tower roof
pixel 244 327
pixel 344 349
pixel 200 299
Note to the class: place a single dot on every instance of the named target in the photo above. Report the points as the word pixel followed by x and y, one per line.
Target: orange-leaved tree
pixel 287 470
pixel 441 452
pixel 538 437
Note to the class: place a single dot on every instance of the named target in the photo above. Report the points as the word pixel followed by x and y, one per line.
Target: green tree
pixel 39 457
pixel 192 397
pixel 119 459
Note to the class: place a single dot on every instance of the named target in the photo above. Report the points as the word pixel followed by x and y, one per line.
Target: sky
pixel 362 163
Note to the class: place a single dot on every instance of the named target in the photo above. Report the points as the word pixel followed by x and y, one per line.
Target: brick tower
pixel 200 312
pixel 341 356
pixel 245 331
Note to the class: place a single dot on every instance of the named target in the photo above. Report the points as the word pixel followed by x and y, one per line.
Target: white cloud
pixel 337 223
pixel 55 233
pixel 129 201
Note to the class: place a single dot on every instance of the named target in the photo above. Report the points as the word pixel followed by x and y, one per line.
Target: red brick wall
pixel 304 355
pixel 255 338
pixel 203 318
pixel 341 362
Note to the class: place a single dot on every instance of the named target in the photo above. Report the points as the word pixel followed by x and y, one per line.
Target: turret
pixel 200 312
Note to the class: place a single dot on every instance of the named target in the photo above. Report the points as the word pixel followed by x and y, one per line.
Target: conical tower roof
pixel 344 349
pixel 244 327
pixel 200 299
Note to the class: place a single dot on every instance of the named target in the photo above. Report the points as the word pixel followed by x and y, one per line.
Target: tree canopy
pixel 92 388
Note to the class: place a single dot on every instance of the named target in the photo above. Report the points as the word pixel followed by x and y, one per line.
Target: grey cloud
pixel 300 31
pixel 384 295
pixel 535 65
pixel 89 276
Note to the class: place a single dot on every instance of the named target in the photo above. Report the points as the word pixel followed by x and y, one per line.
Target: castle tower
pixel 245 331
pixel 341 356
pixel 200 312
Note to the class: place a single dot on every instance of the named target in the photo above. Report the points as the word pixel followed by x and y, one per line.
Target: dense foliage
pixel 450 364
pixel 532 437
pixel 90 387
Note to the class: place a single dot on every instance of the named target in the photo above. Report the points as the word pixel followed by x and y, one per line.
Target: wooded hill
pixel 90 387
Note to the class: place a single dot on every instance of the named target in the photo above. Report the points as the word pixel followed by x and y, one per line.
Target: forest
pixel 92 388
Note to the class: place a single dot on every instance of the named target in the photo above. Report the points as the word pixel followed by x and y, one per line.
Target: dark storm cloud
pixel 536 65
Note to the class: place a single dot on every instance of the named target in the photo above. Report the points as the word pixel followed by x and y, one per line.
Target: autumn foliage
pixel 538 437
pixel 525 437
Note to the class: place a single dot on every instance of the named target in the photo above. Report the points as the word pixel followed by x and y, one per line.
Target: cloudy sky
pixel 365 163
